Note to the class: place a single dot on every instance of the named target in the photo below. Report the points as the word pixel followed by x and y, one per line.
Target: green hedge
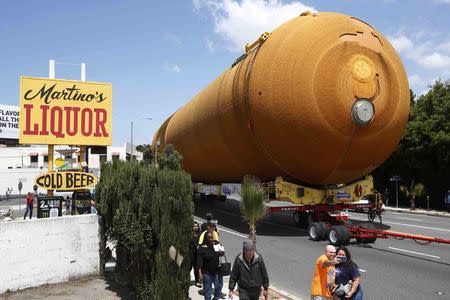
pixel 145 210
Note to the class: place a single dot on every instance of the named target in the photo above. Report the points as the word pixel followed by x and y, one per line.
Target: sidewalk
pixel 96 288
pixel 274 293
pixel 419 211
pixel 87 288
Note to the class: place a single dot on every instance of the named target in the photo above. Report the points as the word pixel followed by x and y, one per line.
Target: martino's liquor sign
pixel 65 112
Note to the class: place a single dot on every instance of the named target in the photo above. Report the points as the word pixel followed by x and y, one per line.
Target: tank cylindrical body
pixel 286 109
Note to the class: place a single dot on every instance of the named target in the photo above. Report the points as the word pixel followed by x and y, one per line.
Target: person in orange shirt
pixel 323 278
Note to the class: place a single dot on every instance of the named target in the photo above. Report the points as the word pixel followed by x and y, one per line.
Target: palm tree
pixel 252 204
pixel 414 191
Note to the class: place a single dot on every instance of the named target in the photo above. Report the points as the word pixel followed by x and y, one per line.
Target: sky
pixel 159 54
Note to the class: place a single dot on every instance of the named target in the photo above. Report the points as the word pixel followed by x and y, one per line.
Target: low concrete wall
pixel 38 251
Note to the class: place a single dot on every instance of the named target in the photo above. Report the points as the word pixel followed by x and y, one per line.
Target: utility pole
pixel 131 159
pixel 396 193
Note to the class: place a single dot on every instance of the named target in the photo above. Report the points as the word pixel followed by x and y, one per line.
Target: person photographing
pixel 347 277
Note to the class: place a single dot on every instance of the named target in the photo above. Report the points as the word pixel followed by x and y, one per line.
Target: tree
pixel 412 192
pixel 170 159
pixel 172 226
pixel 148 156
pixel 423 151
pixel 145 210
pixel 252 203
pixel 141 148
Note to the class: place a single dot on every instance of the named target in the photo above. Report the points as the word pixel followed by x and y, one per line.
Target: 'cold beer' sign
pixel 65 181
pixel 65 112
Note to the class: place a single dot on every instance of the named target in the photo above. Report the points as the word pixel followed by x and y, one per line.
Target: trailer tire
pixel 339 235
pixel 301 219
pixel 367 240
pixel 317 231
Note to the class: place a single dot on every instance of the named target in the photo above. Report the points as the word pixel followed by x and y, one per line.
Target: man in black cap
pixel 249 272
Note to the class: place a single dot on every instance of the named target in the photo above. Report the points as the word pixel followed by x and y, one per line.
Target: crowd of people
pixel 335 277
pixel 209 261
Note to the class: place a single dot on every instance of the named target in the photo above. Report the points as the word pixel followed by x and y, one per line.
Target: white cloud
pixel 417 83
pixel 210 46
pixel 445 47
pixel 172 68
pixel 415 80
pixel 435 60
pixel 429 54
pixel 401 43
pixel 242 22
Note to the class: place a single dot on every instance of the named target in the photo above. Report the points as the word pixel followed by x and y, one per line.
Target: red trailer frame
pixel 328 221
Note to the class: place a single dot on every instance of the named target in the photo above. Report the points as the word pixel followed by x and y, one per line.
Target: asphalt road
pixel 390 268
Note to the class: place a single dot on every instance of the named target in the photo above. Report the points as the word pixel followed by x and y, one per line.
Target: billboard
pixel 9 122
pixel 65 112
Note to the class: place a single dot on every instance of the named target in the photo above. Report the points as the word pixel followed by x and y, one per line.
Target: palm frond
pixel 252 200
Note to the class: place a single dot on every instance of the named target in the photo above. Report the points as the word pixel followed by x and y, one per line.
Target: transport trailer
pixel 322 211
pixel 325 214
pixel 331 222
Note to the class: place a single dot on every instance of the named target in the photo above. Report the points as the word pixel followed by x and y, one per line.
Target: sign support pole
pixel 82 155
pixel 83 148
pixel 51 148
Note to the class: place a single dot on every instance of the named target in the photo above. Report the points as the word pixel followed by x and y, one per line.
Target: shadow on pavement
pixel 228 214
pixel 375 223
pixel 278 224
pixel 122 291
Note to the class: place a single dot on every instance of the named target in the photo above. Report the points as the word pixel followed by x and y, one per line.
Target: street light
pixel 131 142
pixel 131 159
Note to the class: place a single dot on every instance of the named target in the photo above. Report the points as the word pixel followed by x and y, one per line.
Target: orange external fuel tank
pixel 325 99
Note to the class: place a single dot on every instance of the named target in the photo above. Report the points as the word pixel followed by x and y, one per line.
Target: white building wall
pixel 9 178
pixel 38 251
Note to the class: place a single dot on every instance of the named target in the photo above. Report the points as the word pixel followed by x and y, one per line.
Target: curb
pixel 427 213
pixel 284 294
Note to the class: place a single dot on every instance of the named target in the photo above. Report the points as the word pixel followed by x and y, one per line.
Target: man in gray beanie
pixel 249 272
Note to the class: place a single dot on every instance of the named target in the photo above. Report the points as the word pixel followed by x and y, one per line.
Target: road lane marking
pixel 223 229
pixel 362 270
pixel 412 219
pixel 417 226
pixel 235 233
pixel 413 252
pixel 408 225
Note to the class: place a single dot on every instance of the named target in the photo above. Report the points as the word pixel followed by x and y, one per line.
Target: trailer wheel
pixel 317 231
pixel 367 240
pixel 339 235
pixel 302 219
